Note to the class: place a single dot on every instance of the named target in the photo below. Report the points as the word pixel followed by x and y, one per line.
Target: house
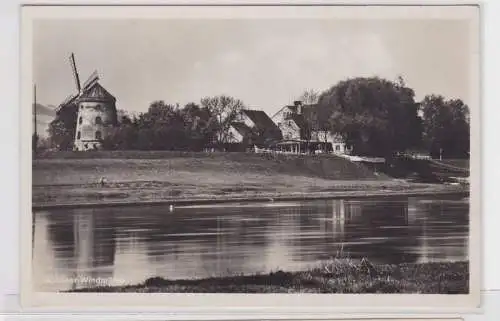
pixel 253 127
pixel 296 128
pixel 291 122
pixel 299 123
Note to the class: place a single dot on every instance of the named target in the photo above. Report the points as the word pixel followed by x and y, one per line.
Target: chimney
pixel 298 105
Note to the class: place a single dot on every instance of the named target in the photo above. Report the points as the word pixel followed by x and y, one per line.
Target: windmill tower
pixel 96 111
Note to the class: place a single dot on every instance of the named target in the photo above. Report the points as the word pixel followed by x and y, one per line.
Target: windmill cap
pixel 96 93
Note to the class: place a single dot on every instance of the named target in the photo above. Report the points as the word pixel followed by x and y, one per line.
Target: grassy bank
pixel 337 276
pixel 136 177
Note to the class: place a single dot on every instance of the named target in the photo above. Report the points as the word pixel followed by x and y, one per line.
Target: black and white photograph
pixel 253 150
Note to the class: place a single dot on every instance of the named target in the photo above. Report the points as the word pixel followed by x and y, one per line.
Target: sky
pixel 265 63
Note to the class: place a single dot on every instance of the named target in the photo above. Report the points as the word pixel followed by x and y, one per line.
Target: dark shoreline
pixel 337 276
pixel 257 199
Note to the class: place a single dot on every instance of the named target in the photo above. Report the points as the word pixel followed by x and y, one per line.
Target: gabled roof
pixel 241 128
pixel 292 108
pixel 263 124
pixel 260 119
pixel 308 115
pixel 307 110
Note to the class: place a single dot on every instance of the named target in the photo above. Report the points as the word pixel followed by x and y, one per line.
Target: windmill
pixel 95 108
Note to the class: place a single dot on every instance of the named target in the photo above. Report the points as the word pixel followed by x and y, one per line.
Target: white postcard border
pixel 245 304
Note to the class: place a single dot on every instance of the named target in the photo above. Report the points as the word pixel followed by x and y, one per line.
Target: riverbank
pixel 336 276
pixel 72 179
pixel 264 197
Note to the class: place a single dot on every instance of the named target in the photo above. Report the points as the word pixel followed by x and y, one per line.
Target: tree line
pixel 162 127
pixel 376 116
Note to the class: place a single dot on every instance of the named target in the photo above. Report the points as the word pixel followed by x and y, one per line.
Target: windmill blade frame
pixel 75 72
pixel 93 78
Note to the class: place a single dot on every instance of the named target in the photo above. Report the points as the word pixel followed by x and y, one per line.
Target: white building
pixel 297 122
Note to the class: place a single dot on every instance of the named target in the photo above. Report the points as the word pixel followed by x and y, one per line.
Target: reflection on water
pixel 130 244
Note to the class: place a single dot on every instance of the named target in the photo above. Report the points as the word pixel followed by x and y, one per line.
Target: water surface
pixel 129 244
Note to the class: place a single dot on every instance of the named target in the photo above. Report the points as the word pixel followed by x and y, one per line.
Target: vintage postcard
pixel 302 158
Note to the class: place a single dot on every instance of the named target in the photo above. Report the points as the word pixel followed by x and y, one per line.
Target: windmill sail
pixel 66 102
pixel 75 72
pixel 91 80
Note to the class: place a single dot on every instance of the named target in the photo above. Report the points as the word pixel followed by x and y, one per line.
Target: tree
pixel 223 111
pixel 123 117
pixel 375 116
pixel 121 137
pixel 315 115
pixel 316 118
pixel 43 143
pixel 446 126
pixel 309 97
pixel 160 128
pixel 164 127
pixel 62 128
pixel 197 125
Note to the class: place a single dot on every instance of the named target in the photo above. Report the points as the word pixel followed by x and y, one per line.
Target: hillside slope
pixel 124 166
pixel 136 177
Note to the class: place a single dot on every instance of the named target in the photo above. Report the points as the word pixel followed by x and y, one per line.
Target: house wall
pixel 338 145
pixel 234 136
pixel 330 138
pixel 289 128
pixel 339 148
pixel 280 116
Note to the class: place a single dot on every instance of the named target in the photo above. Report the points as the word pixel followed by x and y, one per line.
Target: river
pixel 126 245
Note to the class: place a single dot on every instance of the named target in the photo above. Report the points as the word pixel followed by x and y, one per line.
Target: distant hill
pixel 44 115
pixel 48 110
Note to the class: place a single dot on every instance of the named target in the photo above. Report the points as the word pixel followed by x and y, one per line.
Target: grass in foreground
pixel 336 276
